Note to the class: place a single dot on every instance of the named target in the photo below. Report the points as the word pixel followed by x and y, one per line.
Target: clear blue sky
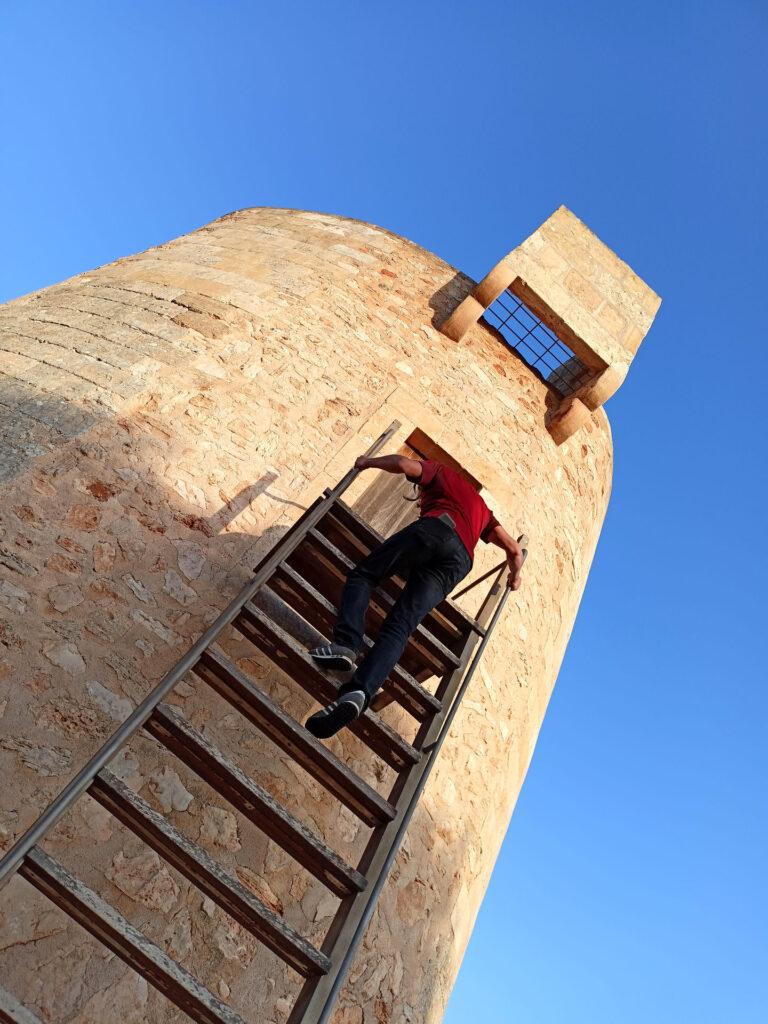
pixel 631 886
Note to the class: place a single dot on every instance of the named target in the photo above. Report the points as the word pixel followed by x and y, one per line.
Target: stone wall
pixel 165 419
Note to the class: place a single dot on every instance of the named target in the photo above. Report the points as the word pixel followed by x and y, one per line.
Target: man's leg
pixel 422 592
pixel 397 553
pixel 348 632
pixel 425 589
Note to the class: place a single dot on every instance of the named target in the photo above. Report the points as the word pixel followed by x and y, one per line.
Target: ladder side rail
pixel 317 998
pixel 13 859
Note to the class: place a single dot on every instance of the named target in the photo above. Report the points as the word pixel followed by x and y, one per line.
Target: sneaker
pixel 341 712
pixel 334 656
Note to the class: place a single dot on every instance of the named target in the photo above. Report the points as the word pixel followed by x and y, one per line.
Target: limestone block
pixel 570 417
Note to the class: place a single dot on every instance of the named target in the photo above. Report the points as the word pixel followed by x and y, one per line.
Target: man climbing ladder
pixel 433 554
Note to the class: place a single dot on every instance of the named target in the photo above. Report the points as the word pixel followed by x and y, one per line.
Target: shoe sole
pixel 333 661
pixel 324 726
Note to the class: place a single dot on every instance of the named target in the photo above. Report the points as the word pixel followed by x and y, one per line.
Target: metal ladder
pixel 303 573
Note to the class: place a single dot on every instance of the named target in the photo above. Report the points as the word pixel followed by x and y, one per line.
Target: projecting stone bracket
pixel 590 299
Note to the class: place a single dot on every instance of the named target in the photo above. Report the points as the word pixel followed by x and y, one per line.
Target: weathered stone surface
pixel 178 935
pixel 126 767
pixel 234 943
pixel 83 517
pixel 167 635
pixel 44 760
pixel 11 560
pixel 138 588
pixel 13 598
pixel 219 828
pixel 68 717
pixel 64 655
pixel 169 791
pixel 178 589
pixel 144 879
pixel 65 597
pixel 66 566
pixel 25 924
pixel 116 707
pixel 98 822
pixel 191 558
pixel 125 1002
pixel 103 556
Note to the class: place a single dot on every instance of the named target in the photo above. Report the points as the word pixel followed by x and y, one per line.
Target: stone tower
pixel 164 420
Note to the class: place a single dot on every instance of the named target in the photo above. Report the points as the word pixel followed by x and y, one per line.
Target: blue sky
pixel 631 886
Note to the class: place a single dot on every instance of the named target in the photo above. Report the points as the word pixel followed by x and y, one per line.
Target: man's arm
pixel 391 464
pixel 514 552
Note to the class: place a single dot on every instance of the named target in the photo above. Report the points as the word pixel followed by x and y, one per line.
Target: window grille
pixel 537 345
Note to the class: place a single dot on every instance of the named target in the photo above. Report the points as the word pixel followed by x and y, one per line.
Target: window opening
pixel 549 357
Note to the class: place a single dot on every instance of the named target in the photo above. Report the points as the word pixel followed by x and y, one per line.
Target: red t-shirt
pixel 444 490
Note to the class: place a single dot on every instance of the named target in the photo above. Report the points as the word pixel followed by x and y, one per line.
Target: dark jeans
pixel 429 554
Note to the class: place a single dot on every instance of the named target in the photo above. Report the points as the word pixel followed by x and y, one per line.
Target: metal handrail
pixel 80 783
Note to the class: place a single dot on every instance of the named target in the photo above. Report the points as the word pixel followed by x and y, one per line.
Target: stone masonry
pixel 164 419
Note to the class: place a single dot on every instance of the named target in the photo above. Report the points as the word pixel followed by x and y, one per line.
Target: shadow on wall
pixel 447 298
pixel 107 574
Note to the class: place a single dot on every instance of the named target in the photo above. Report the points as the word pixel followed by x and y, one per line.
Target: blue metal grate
pixel 542 350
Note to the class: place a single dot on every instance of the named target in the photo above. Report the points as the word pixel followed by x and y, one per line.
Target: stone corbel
pixel 470 309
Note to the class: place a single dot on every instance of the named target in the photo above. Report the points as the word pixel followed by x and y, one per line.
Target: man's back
pixel 444 490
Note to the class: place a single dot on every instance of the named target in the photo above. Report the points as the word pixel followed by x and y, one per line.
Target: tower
pixel 166 419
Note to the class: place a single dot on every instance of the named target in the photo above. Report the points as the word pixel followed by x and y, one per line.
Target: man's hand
pixel 361 462
pixel 514 552
pixel 515 568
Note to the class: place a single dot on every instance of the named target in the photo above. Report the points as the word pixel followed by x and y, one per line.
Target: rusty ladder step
pixel 170 727
pixel 314 757
pixel 200 869
pixel 316 608
pixel 114 931
pixel 290 656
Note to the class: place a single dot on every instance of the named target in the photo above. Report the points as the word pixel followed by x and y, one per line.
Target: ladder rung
pixel 171 728
pixel 291 657
pixel 429 648
pixel 12 1012
pixel 309 602
pixel 316 759
pixel 119 935
pixel 195 864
